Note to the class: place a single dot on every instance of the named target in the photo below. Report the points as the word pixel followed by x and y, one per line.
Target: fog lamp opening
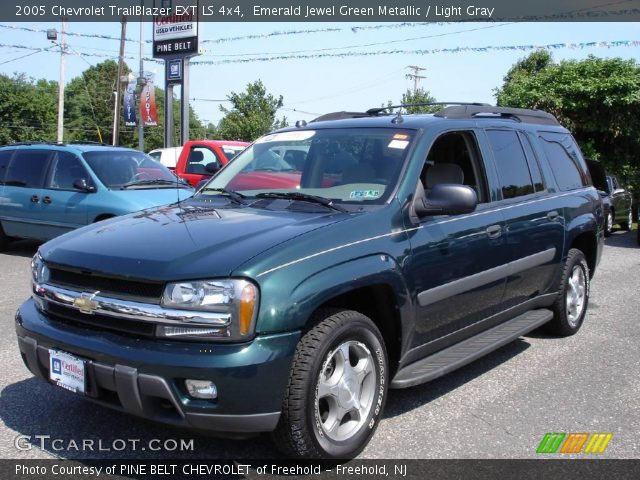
pixel 204 389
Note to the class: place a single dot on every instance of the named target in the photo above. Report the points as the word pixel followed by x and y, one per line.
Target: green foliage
pixel 597 99
pixel 420 96
pixel 253 114
pixel 28 109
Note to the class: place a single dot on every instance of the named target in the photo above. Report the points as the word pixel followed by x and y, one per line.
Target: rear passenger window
pixel 513 171
pixel 27 168
pixel 5 155
pixel 567 164
pixel 534 167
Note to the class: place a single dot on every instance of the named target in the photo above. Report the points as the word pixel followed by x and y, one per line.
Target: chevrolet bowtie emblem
pixel 85 302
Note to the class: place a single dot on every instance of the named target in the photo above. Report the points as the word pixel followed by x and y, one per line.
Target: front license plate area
pixel 67 371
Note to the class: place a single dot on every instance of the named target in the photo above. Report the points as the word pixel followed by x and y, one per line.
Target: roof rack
pixel 524 115
pixel 378 110
pixel 340 116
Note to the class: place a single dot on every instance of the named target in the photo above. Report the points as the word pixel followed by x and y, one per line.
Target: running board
pixel 458 355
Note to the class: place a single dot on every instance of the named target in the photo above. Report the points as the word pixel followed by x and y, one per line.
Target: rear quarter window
pixel 28 168
pixel 568 167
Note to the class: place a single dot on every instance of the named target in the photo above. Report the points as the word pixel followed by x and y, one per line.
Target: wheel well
pixel 587 244
pixel 377 302
pixel 103 216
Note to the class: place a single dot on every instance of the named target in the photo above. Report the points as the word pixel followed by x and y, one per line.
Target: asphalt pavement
pixel 501 406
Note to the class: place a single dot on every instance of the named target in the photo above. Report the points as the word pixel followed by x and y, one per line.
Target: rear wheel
pixel 337 388
pixel 570 307
pixel 4 240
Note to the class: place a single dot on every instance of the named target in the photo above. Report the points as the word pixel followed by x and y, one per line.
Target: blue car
pixel 49 189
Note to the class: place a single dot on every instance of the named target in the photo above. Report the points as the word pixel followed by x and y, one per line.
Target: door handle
pixel 494 231
pixel 34 199
pixel 46 199
pixel 553 215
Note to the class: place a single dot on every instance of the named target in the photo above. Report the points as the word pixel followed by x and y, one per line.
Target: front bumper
pixel 145 377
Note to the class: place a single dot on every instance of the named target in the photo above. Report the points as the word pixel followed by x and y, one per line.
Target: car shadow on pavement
pixel 65 425
pixel 623 239
pixel 22 248
pixel 401 401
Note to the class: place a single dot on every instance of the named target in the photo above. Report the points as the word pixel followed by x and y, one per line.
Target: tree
pixel 28 109
pixel 419 96
pixel 597 99
pixel 253 114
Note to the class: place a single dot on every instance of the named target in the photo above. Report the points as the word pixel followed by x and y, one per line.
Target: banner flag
pixel 148 109
pixel 129 100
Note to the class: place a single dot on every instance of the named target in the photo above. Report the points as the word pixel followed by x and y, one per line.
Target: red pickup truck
pixel 199 159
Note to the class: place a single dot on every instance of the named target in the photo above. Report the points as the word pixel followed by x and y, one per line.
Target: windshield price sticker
pixel 400 144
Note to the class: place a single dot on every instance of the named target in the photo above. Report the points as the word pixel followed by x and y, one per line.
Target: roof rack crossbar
pixel 523 115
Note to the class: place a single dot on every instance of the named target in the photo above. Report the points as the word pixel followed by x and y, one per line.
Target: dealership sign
pixel 176 35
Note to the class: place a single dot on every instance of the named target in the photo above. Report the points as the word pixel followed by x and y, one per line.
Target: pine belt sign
pixel 176 34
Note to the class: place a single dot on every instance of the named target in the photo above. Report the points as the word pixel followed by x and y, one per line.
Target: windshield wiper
pixel 236 197
pixel 305 197
pixel 155 181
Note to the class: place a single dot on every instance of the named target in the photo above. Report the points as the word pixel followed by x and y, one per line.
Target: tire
pixel 570 308
pixel 608 224
pixel 332 407
pixel 4 240
pixel 626 226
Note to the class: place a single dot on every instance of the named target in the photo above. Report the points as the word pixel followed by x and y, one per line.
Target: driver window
pixel 199 158
pixel 454 158
pixel 66 169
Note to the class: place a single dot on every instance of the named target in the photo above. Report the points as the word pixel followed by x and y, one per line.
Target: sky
pixel 314 86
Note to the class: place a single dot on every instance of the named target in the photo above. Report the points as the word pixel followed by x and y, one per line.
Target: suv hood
pixel 187 241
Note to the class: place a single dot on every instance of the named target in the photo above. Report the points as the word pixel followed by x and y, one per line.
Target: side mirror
pixel 618 191
pixel 212 168
pixel 446 199
pixel 81 184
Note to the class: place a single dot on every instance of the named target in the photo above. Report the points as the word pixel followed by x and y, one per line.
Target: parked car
pixel 50 189
pixel 411 245
pixel 167 156
pixel 616 201
pixel 200 159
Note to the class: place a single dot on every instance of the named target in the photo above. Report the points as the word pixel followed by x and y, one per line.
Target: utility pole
pixel 63 47
pixel 116 108
pixel 141 83
pixel 414 76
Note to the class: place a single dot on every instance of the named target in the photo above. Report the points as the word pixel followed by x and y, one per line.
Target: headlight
pixel 236 297
pixel 39 271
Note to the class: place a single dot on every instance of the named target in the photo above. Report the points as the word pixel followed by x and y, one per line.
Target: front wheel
pixel 608 224
pixel 570 307
pixel 337 388
pixel 626 226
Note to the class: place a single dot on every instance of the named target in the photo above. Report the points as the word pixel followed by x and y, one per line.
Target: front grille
pixel 87 282
pixel 73 317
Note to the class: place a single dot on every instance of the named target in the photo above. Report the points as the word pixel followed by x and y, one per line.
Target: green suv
pixel 288 297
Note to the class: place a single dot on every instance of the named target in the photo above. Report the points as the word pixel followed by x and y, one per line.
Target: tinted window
pixel 534 167
pixel 513 171
pixel 567 164
pixel 27 168
pixel 66 168
pixel 5 155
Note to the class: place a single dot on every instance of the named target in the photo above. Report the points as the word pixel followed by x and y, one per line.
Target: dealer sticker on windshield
pixel 364 194
pixel 67 371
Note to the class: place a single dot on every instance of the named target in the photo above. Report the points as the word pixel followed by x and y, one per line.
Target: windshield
pixel 355 165
pixel 119 168
pixel 231 151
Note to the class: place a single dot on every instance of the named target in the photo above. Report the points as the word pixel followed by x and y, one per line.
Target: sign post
pixel 175 40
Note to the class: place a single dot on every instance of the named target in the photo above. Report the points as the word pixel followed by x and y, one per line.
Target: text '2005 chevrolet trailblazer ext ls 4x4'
pixel 406 246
